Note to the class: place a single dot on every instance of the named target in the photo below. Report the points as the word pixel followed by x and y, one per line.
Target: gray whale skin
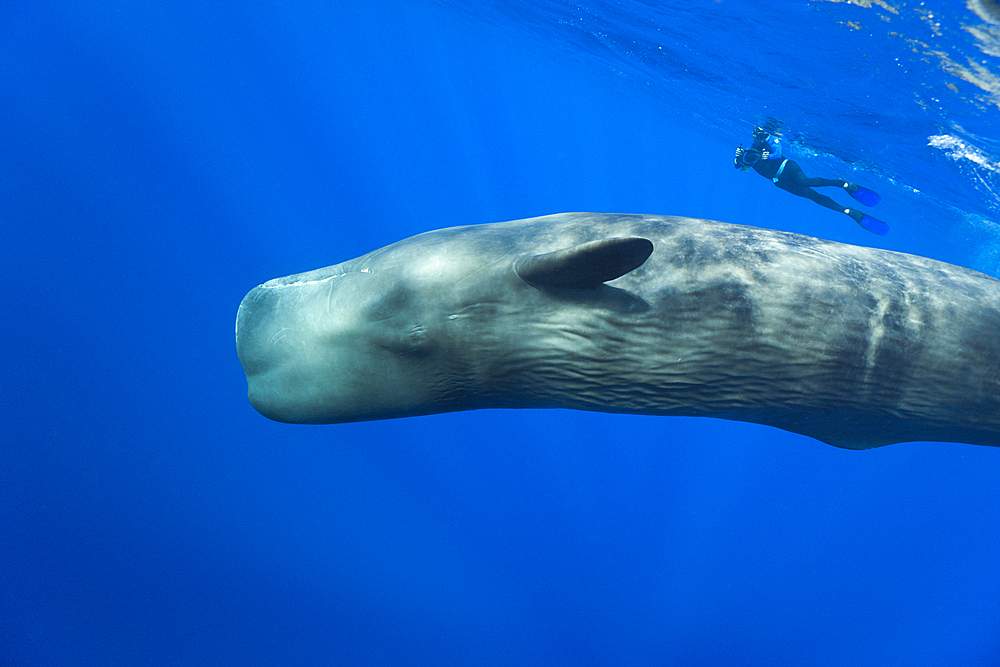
pixel 640 314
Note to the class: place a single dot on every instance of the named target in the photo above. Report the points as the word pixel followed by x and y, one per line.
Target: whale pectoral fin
pixel 586 265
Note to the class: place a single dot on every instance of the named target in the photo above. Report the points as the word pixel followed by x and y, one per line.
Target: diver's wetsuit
pixel 794 180
pixel 788 176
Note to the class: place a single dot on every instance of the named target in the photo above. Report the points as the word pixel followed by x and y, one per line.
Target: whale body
pixel 642 314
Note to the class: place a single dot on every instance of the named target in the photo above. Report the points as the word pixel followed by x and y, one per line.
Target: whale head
pixel 324 349
pixel 428 325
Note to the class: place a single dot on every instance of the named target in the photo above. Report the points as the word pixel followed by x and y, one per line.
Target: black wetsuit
pixel 794 180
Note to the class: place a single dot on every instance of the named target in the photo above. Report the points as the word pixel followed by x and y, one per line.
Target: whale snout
pixel 252 330
pixel 308 358
pixel 273 342
pixel 259 347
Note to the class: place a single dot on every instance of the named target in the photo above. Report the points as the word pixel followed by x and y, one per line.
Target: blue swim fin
pixel 874 225
pixel 866 196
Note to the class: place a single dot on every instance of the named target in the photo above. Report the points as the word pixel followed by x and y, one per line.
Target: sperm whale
pixel 852 346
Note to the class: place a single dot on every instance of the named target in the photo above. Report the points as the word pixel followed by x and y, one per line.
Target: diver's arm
pixel 771 149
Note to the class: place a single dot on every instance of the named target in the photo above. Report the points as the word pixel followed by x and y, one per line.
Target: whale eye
pixel 384 304
pixel 395 329
pixel 410 341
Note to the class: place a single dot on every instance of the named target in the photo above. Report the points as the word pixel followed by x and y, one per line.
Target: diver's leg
pixel 826 183
pixel 822 200
pixel 863 195
pixel 793 177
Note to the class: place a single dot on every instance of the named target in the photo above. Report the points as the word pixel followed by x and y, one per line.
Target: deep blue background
pixel 162 159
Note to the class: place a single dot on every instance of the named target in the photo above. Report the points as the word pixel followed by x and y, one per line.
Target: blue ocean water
pixel 161 159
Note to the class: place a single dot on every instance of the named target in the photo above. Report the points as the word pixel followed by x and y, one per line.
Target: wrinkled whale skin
pixel 853 346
